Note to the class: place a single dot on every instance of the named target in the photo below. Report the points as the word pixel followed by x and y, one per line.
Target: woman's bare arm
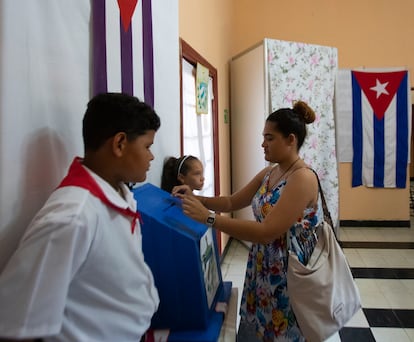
pixel 236 201
pixel 300 192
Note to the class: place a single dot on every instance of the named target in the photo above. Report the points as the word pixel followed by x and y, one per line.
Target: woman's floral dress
pixel 265 300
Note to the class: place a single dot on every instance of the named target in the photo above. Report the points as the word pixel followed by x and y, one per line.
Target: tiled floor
pixel 382 262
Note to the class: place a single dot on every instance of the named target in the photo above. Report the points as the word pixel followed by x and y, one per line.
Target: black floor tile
pixel 384 318
pixel 375 223
pixel 377 245
pixel 383 273
pixel 356 335
pixel 406 318
pixel 390 318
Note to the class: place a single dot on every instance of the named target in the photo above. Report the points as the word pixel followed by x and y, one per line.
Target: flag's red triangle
pixel 379 88
pixel 126 9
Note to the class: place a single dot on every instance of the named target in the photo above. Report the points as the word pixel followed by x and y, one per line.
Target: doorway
pixel 199 132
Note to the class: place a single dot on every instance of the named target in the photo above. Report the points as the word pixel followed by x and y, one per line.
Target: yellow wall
pixel 370 33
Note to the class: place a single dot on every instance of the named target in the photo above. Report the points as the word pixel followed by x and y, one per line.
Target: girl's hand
pixel 180 190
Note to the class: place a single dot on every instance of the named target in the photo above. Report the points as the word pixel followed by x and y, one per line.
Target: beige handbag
pixel 323 293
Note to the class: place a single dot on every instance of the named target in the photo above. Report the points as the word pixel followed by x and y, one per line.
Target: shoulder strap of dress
pixel 270 169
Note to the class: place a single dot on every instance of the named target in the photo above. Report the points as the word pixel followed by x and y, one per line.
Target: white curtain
pixel 198 128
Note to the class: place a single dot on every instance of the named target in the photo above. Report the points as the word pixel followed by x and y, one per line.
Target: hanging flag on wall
pixel 374 107
pixel 123 48
pixel 135 50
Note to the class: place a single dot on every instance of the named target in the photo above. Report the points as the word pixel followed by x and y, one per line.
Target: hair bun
pixel 303 109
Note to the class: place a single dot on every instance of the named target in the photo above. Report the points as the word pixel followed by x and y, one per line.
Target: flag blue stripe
pixel 126 59
pixel 402 134
pixel 356 133
pixel 148 52
pixel 379 152
pixel 99 48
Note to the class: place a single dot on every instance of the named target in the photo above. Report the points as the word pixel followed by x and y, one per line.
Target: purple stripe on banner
pixel 356 133
pixel 402 134
pixel 379 152
pixel 148 58
pixel 126 59
pixel 99 48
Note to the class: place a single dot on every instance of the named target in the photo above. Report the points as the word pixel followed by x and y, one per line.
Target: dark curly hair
pixel 110 113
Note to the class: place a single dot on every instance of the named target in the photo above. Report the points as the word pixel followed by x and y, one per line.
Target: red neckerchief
pixel 79 176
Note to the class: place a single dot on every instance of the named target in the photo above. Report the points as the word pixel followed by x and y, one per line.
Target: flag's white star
pixel 380 88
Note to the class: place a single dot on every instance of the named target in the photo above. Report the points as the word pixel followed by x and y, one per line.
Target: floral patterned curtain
pixel 298 71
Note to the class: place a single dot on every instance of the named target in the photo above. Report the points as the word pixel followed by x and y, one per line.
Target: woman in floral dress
pixel 265 307
pixel 284 198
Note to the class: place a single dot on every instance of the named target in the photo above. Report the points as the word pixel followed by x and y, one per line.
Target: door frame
pixel 193 57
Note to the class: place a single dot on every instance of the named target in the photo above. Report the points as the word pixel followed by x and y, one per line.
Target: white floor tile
pixel 390 335
pixel 358 321
pixel 389 234
pixel 400 300
pixel 372 258
pixel 334 338
pixel 371 295
pixel 398 258
pixel 375 301
pixel 409 285
pixel 390 285
pixel 353 258
pixel 410 334
pixel 351 234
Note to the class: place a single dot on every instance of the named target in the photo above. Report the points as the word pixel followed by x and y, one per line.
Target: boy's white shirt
pixel 105 292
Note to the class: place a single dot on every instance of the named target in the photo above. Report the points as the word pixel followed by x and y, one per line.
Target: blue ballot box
pixel 184 260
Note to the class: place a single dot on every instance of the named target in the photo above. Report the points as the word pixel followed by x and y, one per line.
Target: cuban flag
pixel 381 122
pixel 123 48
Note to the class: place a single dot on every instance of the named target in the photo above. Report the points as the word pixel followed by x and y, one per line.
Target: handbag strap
pixel 326 214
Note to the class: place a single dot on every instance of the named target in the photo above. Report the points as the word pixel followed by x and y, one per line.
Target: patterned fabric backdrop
pixel 298 71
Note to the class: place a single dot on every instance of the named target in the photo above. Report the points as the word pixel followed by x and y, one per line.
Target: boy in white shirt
pixel 78 273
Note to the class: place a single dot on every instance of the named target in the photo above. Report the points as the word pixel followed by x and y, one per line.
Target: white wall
pixel 45 83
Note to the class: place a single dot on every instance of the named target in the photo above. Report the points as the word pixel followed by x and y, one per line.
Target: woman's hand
pixel 190 204
pixel 193 208
pixel 180 190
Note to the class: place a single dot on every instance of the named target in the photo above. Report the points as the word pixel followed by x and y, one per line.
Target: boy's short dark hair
pixel 110 113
